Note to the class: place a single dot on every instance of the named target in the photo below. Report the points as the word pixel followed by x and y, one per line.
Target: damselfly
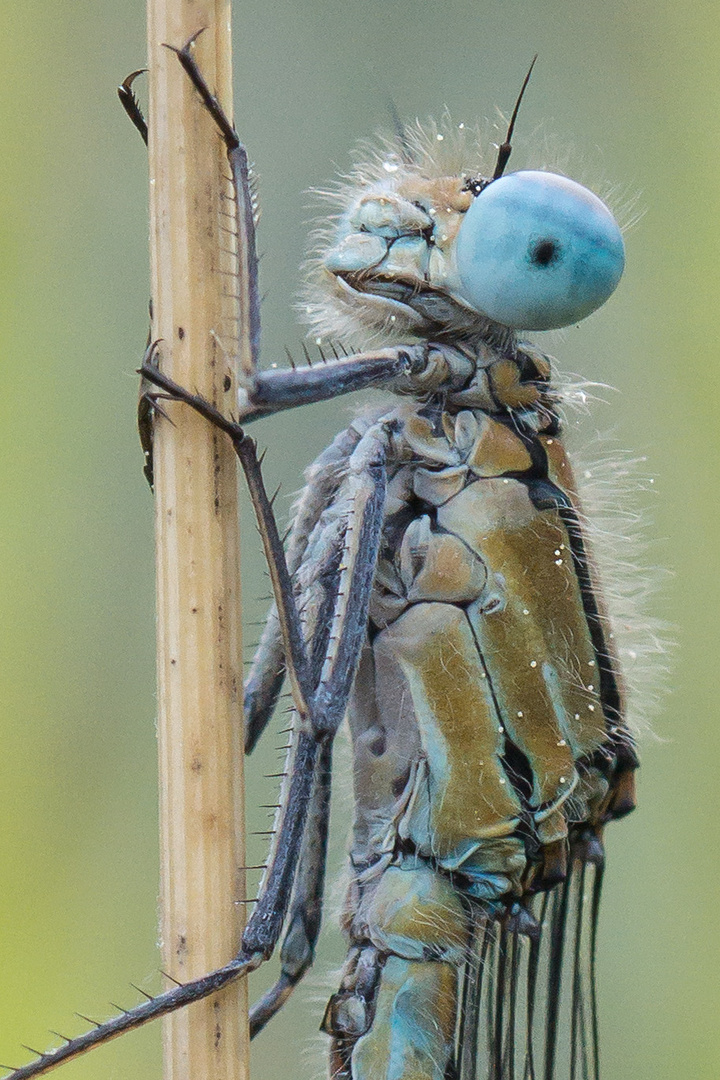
pixel 436 589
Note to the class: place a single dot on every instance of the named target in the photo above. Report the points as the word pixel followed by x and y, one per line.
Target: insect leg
pixel 131 105
pixel 302 924
pixel 361 503
pixel 349 1013
pixel 338 482
pixel 275 389
pixel 267 673
pixel 245 213
pixel 264 926
pixel 259 938
pixel 365 498
pixel 270 391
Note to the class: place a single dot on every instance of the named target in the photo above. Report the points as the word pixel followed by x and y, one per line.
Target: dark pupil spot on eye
pixel 545 252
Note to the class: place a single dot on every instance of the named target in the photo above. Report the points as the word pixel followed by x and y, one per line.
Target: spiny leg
pixel 314 558
pixel 267 673
pixel 245 214
pixel 350 618
pixel 259 938
pixel 270 391
pixel 266 921
pixel 340 642
pixel 146 406
pixel 275 390
pixel 348 624
pixel 362 500
pixel 320 714
pixel 302 924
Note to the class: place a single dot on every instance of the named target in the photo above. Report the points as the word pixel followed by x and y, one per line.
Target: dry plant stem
pixel 198 597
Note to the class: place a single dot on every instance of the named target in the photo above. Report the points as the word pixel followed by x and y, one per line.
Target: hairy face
pixel 383 266
pixel 394 253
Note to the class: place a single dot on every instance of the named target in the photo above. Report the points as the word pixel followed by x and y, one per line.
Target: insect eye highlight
pixel 537 251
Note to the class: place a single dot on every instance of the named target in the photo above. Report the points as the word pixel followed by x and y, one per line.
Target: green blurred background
pixel 631 89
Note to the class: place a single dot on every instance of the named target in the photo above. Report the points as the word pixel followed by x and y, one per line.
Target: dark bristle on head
pixel 505 150
pixel 400 133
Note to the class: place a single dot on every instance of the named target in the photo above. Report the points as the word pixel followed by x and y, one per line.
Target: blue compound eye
pixel 537 251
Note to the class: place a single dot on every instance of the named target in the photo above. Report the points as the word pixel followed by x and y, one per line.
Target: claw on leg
pixel 148 406
pixel 187 59
pixel 172 391
pixel 131 104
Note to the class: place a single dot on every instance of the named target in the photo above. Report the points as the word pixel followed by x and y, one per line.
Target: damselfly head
pixel 530 251
pixel 419 251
